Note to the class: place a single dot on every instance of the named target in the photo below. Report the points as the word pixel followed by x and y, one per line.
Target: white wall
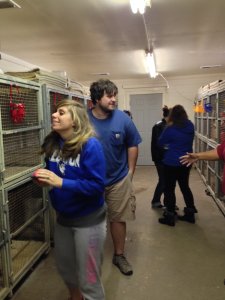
pixel 182 90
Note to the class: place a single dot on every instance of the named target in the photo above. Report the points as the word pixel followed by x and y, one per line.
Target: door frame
pixel 134 90
pixel 142 91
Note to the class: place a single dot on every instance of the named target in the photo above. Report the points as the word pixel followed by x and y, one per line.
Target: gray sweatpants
pixel 79 256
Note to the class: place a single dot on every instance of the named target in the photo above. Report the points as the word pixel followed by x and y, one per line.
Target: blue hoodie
pixel 83 181
pixel 177 141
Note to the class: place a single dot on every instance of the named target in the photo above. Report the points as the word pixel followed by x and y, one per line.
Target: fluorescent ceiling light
pixel 151 64
pixel 210 66
pixel 139 5
pixel 8 4
pixel 101 74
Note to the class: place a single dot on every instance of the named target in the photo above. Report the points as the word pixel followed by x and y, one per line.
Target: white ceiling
pixel 83 37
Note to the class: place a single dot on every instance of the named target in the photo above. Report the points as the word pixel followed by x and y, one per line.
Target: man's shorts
pixel 121 201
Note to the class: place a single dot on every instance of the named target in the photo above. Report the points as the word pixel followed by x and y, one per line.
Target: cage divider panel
pixel 4 274
pixel 204 126
pixel 2 161
pixel 212 129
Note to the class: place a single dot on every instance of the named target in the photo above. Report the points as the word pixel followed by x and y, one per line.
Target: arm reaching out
pixel 191 158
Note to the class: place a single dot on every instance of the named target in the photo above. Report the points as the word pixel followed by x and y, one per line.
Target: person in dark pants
pixel 177 138
pixel 157 156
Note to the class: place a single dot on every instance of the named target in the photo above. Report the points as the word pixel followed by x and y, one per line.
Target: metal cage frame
pixel 211 136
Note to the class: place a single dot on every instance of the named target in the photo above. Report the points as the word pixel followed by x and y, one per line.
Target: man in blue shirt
pixel 119 138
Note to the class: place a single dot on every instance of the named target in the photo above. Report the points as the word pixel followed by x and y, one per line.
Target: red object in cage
pixel 17 110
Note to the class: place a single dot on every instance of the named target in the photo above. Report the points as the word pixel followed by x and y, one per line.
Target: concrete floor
pixel 170 263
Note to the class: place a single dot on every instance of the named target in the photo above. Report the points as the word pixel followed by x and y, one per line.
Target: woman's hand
pixel 189 159
pixel 45 177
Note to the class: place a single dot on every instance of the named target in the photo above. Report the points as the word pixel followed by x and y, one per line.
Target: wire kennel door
pixel 20 140
pixel 51 97
pixel 27 224
pixel 78 99
pixel 4 266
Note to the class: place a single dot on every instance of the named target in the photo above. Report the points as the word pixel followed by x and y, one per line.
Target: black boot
pixel 195 210
pixel 168 218
pixel 189 215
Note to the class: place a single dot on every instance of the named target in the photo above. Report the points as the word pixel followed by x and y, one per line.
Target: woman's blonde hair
pixel 83 130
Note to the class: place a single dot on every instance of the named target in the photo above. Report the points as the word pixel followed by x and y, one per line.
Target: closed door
pixel 146 110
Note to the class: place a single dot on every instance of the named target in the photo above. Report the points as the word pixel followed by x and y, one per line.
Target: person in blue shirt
pixel 119 138
pixel 75 173
pixel 177 140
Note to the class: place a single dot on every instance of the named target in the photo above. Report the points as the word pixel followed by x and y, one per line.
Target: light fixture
pixel 101 74
pixel 8 4
pixel 139 5
pixel 210 66
pixel 151 64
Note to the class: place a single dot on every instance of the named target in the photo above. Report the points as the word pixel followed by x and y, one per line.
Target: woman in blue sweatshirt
pixel 75 172
pixel 177 140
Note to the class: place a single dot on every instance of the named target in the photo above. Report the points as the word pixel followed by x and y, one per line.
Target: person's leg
pixel 65 260
pixel 118 232
pixel 183 181
pixel 170 176
pixel 89 245
pixel 120 200
pixel 159 187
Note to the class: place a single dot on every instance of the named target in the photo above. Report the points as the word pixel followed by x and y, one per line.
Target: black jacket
pixel 157 152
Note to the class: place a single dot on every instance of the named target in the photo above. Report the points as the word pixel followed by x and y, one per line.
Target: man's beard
pixel 106 109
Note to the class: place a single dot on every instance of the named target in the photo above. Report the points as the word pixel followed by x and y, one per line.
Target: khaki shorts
pixel 121 200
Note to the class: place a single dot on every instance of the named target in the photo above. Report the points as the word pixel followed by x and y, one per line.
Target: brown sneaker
pixel 122 264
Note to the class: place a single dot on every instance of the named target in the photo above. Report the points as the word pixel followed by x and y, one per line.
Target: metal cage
pixel 20 139
pixel 26 209
pixel 52 96
pixel 210 127
pixel 26 220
